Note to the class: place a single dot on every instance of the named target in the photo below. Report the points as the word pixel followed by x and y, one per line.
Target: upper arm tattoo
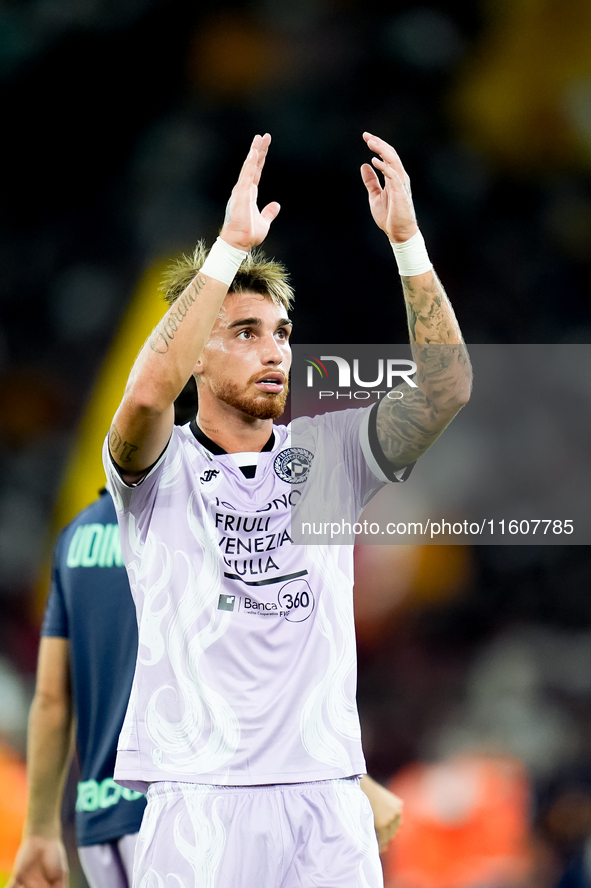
pixel 119 448
pixel 408 426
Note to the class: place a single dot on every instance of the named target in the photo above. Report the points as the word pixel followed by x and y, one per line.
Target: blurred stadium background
pixel 124 125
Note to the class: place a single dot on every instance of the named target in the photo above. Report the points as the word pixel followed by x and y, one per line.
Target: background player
pixel 85 669
pixel 245 729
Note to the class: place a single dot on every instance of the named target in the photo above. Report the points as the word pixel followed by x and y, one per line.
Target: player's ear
pixel 198 368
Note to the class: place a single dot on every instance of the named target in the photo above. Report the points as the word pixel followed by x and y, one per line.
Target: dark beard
pixel 263 405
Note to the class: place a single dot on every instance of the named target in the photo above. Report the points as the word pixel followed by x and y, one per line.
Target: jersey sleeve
pixel 137 497
pixel 367 468
pixel 375 457
pixel 55 620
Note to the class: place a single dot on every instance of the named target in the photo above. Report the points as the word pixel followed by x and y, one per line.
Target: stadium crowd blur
pixel 124 124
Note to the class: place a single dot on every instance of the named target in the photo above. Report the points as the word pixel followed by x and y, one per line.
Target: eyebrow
pixel 257 322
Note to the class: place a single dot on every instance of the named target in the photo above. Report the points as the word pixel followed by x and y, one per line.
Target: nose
pixel 271 352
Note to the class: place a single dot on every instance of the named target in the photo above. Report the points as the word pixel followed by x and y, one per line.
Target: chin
pixel 265 409
pixel 257 406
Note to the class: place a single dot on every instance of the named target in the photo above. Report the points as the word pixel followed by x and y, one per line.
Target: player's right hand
pixel 40 863
pixel 245 225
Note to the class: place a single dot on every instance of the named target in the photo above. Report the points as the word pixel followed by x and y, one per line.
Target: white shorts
pixel 300 835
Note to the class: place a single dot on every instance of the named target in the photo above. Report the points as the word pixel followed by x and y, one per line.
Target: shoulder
pixel 181 450
pixel 333 423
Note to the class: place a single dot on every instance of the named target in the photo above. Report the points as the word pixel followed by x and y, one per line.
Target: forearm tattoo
pixel 119 448
pixel 409 425
pixel 430 315
pixel 168 326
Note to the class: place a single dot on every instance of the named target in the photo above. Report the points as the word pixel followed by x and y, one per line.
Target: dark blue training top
pixel 91 605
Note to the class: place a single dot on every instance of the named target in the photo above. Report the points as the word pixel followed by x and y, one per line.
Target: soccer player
pixel 84 673
pixel 242 722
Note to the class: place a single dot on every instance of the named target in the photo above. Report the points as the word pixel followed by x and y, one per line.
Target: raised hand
pixel 391 206
pixel 245 225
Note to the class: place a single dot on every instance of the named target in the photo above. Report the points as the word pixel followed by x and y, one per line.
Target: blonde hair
pixel 257 274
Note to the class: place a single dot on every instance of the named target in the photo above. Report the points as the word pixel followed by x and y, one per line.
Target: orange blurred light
pixel 13 802
pixel 230 56
pixel 465 823
pixel 391 579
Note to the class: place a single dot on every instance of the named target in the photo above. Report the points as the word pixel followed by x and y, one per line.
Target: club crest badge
pixel 293 464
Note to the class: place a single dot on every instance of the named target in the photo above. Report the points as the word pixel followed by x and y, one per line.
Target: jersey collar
pixel 215 448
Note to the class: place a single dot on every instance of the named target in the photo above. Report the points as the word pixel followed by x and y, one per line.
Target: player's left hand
pixel 391 206
pixel 387 810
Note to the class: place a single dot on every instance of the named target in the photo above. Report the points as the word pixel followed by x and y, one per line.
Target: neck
pixel 234 431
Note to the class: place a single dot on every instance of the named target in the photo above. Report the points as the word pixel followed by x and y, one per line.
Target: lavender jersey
pixel 246 669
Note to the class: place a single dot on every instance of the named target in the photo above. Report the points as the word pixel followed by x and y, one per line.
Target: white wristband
pixel 223 261
pixel 411 256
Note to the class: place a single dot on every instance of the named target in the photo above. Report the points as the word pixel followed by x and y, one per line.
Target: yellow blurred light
pixel 84 475
pixel 230 56
pixel 521 95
